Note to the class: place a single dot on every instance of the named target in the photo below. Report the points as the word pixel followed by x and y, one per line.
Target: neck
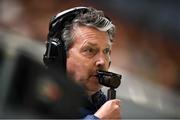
pixel 90 93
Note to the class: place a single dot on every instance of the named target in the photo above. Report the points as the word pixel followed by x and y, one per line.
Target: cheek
pixel 78 68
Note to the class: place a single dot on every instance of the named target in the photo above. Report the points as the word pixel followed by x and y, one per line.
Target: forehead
pixel 85 34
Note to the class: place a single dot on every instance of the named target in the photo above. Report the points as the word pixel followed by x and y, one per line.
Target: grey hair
pixel 93 18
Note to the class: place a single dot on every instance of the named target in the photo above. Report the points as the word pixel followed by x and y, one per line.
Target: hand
pixel 110 110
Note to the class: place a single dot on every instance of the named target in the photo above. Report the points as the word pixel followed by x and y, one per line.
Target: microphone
pixel 109 79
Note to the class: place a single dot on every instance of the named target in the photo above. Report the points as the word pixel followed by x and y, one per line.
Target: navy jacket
pixel 92 104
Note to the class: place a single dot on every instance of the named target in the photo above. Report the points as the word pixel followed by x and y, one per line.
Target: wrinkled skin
pixel 89 52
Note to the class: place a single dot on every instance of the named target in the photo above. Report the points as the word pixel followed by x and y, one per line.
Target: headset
pixel 55 54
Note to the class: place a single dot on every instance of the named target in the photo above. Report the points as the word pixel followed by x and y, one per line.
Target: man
pixel 87 37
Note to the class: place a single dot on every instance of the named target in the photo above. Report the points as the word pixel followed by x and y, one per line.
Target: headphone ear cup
pixel 55 55
pixel 45 56
pixel 50 54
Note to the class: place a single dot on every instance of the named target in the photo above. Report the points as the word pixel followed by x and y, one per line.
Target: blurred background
pixel 145 51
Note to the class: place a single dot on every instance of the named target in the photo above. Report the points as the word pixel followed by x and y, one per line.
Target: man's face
pixel 90 52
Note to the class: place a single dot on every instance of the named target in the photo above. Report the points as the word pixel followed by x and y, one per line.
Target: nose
pixel 100 62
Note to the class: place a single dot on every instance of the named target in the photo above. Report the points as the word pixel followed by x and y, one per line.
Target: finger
pixel 116 101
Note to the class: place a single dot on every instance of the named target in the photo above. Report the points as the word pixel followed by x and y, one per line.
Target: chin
pixel 91 90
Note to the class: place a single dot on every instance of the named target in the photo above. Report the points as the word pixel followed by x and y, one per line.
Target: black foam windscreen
pixel 109 79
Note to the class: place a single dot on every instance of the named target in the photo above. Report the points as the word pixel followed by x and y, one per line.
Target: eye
pixel 107 51
pixel 89 51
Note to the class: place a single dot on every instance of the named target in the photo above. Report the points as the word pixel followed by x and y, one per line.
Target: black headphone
pixel 55 55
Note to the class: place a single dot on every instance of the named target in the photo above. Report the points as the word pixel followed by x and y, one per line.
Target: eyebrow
pixel 93 44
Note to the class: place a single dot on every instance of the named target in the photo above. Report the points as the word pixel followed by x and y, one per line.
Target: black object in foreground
pixel 36 92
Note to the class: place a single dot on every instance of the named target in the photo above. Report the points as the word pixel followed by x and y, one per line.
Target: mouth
pixel 95 78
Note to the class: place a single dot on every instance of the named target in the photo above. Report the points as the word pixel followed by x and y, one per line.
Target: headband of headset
pixel 55 55
pixel 59 21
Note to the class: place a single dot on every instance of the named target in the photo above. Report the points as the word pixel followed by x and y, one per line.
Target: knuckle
pixel 116 107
